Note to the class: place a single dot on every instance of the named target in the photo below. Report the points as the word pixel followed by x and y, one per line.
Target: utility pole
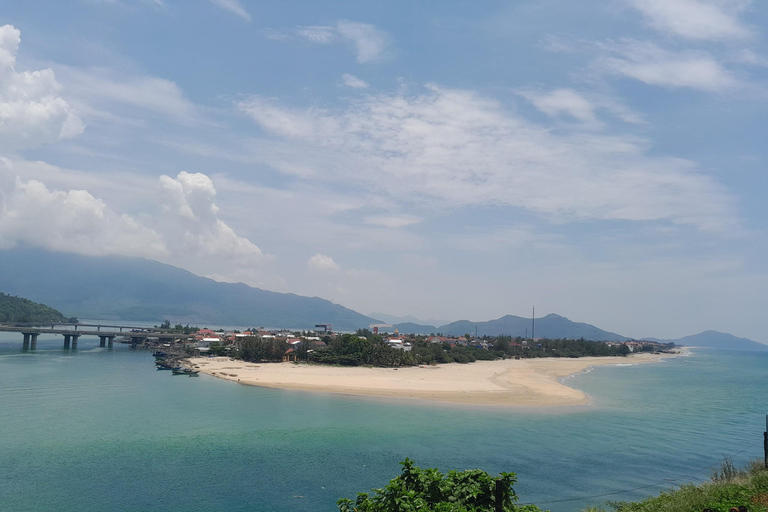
pixel 533 323
pixel 499 495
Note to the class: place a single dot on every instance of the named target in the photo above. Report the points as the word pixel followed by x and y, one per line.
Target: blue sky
pixel 602 160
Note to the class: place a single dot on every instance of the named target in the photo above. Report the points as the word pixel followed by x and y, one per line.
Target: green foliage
pixel 24 311
pixel 216 349
pixel 416 490
pixel 730 487
pixel 254 348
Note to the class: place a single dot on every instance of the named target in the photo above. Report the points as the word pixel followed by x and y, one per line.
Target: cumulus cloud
pixel 647 62
pixel 234 7
pixel 32 111
pixel 322 262
pixel 199 239
pixel 354 82
pixel 696 19
pixel 69 221
pixel 447 148
pixel 370 43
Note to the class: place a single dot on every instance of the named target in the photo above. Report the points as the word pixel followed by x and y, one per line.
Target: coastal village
pixel 205 338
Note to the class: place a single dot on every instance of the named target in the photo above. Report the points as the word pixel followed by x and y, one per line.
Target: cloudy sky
pixel 603 160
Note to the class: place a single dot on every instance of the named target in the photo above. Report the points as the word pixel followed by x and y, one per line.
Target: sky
pixel 602 160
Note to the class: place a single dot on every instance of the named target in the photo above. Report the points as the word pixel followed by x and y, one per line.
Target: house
pixel 290 356
pixel 399 344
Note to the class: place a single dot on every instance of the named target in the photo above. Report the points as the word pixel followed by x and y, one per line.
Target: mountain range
pixel 137 289
pixel 714 339
pixel 550 326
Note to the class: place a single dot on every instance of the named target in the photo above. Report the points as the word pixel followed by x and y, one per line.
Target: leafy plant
pixel 416 490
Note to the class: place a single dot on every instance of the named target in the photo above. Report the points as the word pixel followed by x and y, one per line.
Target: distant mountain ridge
pixel 715 339
pixel 550 326
pixel 407 319
pixel 556 326
pixel 122 288
pixel 136 289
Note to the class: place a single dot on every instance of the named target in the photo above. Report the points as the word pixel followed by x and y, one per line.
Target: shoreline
pixel 509 383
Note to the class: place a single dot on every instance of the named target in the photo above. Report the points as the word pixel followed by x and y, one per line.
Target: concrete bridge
pixel 72 333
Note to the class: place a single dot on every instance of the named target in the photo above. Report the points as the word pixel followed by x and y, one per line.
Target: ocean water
pixel 95 429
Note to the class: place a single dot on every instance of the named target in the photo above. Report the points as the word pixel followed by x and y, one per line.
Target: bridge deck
pixel 80 332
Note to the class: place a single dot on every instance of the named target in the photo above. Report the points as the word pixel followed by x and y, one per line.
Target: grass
pixel 728 487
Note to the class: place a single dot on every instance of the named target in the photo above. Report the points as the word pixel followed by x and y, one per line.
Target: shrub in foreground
pixel 417 490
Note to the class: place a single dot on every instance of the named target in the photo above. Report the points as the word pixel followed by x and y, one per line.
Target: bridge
pixel 105 333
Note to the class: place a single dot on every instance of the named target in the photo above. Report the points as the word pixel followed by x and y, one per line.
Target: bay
pixel 100 429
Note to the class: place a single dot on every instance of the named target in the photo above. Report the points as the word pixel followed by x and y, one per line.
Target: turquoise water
pixel 98 429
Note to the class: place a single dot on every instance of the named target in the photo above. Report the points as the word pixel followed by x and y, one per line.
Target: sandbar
pixel 510 382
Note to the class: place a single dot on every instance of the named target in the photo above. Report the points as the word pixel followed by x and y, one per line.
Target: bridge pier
pixel 30 339
pixel 71 338
pixel 106 340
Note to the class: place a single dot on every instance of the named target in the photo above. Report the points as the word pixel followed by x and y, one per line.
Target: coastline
pixel 509 383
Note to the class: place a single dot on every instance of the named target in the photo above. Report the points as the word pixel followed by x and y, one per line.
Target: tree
pixel 419 489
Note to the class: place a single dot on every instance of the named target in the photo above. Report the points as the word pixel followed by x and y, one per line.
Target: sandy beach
pixel 523 382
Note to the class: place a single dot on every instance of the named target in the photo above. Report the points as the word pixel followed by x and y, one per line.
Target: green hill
pixel 20 310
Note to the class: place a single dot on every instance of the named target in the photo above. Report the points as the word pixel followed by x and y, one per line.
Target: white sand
pixel 523 382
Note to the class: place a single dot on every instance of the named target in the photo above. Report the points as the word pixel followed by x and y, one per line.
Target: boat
pixel 185 371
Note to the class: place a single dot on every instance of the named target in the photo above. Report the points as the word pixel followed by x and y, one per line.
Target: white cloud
pixel 322 262
pixel 31 111
pixel 234 7
pixel 98 87
pixel 186 231
pixel 71 221
pixel 354 82
pixel 370 43
pixel 562 101
pixel 696 19
pixel 201 241
pixel 391 221
pixel 579 106
pixel 653 65
pixel 450 148
pixel 318 34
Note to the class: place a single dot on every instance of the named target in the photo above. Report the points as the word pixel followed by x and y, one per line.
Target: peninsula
pixel 508 382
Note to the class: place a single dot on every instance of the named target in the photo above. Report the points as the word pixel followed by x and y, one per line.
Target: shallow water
pixel 100 429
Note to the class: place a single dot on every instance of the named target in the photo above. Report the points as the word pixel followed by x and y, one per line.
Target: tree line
pixel 364 348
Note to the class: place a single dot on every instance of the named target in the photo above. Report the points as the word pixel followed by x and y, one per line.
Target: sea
pixel 95 429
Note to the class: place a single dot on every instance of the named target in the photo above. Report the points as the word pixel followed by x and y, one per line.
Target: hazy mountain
pixel 408 319
pixel 714 339
pixel 121 288
pixel 550 326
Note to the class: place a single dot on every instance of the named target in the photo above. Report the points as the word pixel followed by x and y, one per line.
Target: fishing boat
pixel 185 371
